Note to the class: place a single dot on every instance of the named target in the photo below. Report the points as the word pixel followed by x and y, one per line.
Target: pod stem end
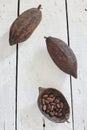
pixel 67 121
pixel 41 89
pixel 45 37
pixel 39 7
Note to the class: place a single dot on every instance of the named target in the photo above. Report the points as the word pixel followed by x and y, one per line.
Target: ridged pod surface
pixel 24 25
pixel 62 55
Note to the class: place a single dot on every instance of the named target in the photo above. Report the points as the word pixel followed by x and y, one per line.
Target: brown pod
pixel 24 25
pixel 53 105
pixel 62 55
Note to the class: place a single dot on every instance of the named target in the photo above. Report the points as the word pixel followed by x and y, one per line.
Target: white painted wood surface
pixel 35 67
pixel 78 42
pixel 8 12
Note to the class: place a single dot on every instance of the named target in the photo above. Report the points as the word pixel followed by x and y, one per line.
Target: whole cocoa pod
pixel 24 25
pixel 62 55
pixel 53 105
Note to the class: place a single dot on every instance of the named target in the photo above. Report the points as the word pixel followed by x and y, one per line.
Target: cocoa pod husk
pixel 24 25
pixel 62 55
pixel 56 110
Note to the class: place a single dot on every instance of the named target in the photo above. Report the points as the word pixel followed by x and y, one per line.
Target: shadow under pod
pixel 5 49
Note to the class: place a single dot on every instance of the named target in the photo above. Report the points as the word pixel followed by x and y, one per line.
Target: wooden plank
pixel 78 42
pixel 8 12
pixel 36 68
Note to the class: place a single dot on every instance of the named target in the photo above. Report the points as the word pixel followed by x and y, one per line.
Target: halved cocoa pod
pixel 53 105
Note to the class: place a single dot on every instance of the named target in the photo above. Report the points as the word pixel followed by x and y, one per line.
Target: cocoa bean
pixel 44 107
pixel 61 105
pixel 45 96
pixel 58 105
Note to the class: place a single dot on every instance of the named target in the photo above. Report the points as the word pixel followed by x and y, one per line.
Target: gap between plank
pixel 43 124
pixel 16 87
pixel 4 125
pixel 68 40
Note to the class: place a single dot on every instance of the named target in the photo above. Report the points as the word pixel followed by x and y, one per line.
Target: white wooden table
pixel 26 67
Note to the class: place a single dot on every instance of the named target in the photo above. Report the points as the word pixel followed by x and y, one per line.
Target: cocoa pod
pixel 57 109
pixel 62 55
pixel 24 25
